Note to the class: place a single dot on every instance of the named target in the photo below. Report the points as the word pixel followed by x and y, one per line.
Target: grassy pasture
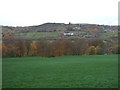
pixel 96 71
pixel 37 35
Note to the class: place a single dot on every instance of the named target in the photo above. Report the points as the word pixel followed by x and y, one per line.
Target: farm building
pixel 68 34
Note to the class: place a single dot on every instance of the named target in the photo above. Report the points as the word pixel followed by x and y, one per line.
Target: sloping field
pixel 97 71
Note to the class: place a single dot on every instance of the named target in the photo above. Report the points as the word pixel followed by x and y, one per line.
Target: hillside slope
pixel 57 30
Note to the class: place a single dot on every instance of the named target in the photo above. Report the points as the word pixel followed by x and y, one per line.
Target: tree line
pixel 61 47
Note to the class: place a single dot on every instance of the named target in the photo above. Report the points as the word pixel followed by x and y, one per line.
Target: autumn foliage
pixel 61 47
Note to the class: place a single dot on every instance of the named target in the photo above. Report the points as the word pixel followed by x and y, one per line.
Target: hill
pixel 57 30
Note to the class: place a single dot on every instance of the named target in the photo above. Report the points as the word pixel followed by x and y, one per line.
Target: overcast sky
pixel 36 12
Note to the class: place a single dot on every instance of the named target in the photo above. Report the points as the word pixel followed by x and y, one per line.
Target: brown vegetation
pixel 20 47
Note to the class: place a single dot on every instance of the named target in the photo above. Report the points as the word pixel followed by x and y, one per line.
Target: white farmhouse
pixel 68 34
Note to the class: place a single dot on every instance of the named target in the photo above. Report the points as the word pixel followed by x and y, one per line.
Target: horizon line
pixel 57 23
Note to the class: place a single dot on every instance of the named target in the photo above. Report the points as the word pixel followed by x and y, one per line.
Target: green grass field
pixel 97 71
pixel 37 35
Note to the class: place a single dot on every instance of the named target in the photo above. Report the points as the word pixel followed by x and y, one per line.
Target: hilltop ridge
pixel 56 30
